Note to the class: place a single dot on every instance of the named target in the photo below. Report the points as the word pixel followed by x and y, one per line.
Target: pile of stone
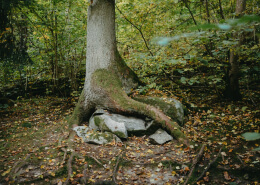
pixel 105 127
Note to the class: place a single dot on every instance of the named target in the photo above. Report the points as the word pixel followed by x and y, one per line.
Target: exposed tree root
pixel 97 160
pixel 85 177
pixel 69 166
pixel 115 169
pixel 194 163
pixel 65 155
pixel 109 94
pixel 18 165
pixel 209 165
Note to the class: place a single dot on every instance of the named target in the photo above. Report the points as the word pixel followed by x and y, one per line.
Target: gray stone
pixel 104 122
pixel 81 131
pixel 160 137
pixel 131 123
pixel 91 136
pixel 119 124
pixel 179 114
pixel 101 138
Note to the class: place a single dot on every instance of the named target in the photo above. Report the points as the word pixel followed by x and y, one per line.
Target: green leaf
pixel 244 108
pixel 163 41
pixel 257 149
pixel 250 136
pixel 183 80
pixel 224 26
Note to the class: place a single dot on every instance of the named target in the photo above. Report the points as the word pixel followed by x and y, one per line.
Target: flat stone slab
pixel 104 122
pixel 118 124
pixel 91 136
pixel 160 137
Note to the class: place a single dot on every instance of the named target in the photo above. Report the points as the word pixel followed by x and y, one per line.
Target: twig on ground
pixel 21 164
pixel 65 155
pixel 69 166
pixel 60 140
pixel 116 168
pixel 207 168
pixel 243 164
pixel 84 178
pixel 17 166
pixel 96 160
pixel 195 161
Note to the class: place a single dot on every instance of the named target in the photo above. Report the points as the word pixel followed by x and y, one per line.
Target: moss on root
pixel 168 108
pixel 120 102
pixel 79 113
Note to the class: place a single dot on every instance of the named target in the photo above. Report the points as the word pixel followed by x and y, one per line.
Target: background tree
pixel 232 89
pixel 13 43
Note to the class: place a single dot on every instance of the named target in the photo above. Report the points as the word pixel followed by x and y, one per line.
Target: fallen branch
pixel 21 164
pixel 84 178
pixel 17 166
pixel 69 166
pixel 96 160
pixel 195 161
pixel 207 168
pixel 115 169
pixel 65 155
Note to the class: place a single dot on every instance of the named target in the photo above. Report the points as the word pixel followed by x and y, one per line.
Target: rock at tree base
pixel 81 131
pixel 119 125
pixel 115 126
pixel 160 137
pixel 90 136
pixel 105 122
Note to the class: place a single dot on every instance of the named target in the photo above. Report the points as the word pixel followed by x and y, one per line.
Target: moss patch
pixel 120 102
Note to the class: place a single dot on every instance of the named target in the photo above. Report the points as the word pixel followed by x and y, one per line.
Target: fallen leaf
pixel 227 177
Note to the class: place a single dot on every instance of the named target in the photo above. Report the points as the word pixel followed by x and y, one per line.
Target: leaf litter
pixel 35 148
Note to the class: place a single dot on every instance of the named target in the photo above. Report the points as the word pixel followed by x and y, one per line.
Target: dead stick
pixel 207 168
pixel 69 165
pixel 84 179
pixel 195 161
pixel 115 169
pixel 65 155
pixel 21 164
pixel 96 160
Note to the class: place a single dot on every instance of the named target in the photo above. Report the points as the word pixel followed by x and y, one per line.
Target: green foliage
pixel 250 136
pixel 163 45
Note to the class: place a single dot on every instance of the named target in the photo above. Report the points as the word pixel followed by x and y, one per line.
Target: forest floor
pixel 37 147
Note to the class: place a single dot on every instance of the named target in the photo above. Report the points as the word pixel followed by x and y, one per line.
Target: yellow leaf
pixel 53 174
pixel 6 172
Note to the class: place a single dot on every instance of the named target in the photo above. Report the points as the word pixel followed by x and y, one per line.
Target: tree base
pixel 108 94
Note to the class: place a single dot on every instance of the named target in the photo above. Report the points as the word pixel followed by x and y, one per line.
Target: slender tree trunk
pixel 108 79
pixel 221 10
pixel 207 10
pixel 232 90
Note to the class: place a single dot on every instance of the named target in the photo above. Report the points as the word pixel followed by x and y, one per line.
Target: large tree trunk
pixel 108 79
pixel 232 90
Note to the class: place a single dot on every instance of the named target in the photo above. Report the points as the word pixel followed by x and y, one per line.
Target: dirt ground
pixel 37 147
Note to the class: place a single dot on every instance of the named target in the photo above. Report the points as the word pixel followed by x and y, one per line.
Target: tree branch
pixel 139 29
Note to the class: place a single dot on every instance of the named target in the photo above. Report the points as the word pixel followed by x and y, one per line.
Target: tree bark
pixel 232 90
pixel 108 79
